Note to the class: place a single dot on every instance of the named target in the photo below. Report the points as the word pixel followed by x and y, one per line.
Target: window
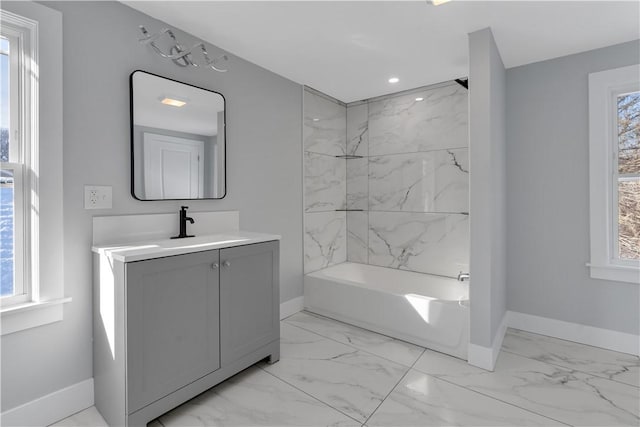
pixel 17 150
pixel 614 167
pixel 627 169
pixel 31 179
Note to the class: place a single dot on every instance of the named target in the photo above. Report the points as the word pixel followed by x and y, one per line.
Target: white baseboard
pixel 486 357
pixel 53 407
pixel 291 307
pixel 583 334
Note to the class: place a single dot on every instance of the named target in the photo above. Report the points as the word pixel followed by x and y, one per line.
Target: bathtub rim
pixel 320 274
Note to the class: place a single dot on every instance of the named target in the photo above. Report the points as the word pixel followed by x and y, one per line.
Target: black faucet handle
pixel 184 208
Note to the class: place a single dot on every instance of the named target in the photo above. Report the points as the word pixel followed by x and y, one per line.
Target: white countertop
pixel 139 251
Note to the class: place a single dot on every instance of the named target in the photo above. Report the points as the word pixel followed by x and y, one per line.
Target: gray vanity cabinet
pixel 167 329
pixel 248 279
pixel 172 324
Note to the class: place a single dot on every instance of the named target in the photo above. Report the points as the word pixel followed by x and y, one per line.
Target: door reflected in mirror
pixel 178 140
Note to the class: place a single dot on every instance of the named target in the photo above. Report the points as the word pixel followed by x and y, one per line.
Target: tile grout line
pixel 359 349
pixel 572 369
pixel 394 387
pixel 308 394
pixel 492 397
pixel 312 314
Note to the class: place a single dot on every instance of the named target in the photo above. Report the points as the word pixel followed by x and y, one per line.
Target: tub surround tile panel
pixel 357 183
pixel 325 240
pixel 358 130
pixel 435 181
pixel 325 125
pixel 421 400
pixel 255 398
pixel 565 395
pixel 422 242
pixel 389 348
pixel 603 363
pixel 403 125
pixel 415 162
pixel 352 381
pixel 324 182
pixel 358 237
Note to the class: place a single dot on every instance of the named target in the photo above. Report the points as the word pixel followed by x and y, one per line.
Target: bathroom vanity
pixel 173 318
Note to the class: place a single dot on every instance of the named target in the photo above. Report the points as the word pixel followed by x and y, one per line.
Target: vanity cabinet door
pixel 249 299
pixel 172 324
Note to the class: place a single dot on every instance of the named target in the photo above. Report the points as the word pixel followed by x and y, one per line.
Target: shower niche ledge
pixel 173 318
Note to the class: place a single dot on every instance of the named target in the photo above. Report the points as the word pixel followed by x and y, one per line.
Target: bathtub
pixel 430 311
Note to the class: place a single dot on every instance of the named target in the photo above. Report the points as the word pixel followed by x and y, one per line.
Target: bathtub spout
pixel 463 276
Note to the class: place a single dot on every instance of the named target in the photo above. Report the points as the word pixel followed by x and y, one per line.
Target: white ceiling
pixel 348 49
pixel 198 116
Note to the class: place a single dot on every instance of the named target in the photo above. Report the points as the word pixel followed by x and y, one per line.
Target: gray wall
pixel 487 146
pixel 548 194
pixel 264 174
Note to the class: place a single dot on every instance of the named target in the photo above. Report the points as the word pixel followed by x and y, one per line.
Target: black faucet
pixel 183 223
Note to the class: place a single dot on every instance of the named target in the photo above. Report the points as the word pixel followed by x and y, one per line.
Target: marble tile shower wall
pixel 325 177
pixel 412 183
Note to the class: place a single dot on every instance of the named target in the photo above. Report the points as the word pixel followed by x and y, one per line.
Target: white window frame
pixel 23 153
pixel 604 89
pixel 41 27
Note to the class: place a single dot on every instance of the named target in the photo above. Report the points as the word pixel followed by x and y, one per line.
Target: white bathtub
pixel 430 311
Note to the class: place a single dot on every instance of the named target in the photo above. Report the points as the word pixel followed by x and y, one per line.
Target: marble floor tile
pixel 422 400
pixel 88 417
pixel 362 339
pixel 255 398
pixel 352 381
pixel 620 367
pixel 565 395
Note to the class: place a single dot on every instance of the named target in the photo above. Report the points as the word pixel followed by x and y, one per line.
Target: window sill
pixel 19 317
pixel 618 273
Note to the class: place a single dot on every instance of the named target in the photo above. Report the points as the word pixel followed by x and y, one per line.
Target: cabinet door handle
pixel 226 264
pixel 215 266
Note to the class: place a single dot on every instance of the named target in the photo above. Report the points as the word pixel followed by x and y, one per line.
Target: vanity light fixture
pixel 394 80
pixel 419 99
pixel 173 102
pixel 439 2
pixel 179 54
pixel 316 120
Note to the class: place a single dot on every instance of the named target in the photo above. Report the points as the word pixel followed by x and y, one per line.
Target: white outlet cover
pixel 98 196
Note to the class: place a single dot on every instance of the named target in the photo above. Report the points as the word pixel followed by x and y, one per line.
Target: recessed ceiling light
pixel 439 2
pixel 173 102
pixel 394 80
pixel 419 99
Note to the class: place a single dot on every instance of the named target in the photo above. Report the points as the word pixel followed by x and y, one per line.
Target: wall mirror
pixel 177 140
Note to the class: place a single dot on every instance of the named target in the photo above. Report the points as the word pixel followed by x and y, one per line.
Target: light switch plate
pixel 98 197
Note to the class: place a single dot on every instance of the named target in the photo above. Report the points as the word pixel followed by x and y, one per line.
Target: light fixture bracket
pixel 177 53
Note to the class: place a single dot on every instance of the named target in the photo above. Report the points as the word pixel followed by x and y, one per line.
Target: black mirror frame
pixel 133 194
